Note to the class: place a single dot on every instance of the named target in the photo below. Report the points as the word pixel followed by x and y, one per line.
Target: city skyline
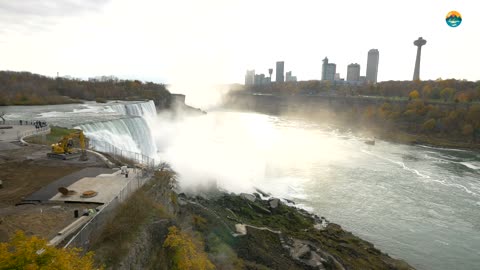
pixel 195 43
pixel 329 72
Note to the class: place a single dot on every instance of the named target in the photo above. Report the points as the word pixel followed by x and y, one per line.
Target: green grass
pixel 55 135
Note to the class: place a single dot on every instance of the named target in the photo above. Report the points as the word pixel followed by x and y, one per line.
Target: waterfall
pixel 132 133
pixel 143 109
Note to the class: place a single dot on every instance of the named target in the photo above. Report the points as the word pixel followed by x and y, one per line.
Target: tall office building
pixel 353 73
pixel 290 78
pixel 280 69
pixel 328 70
pixel 259 79
pixel 372 66
pixel 250 77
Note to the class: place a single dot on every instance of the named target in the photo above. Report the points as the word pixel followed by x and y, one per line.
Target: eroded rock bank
pixel 229 231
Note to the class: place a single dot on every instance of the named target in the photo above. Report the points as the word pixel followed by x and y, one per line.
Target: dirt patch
pixel 40 220
pixel 24 170
pixel 21 178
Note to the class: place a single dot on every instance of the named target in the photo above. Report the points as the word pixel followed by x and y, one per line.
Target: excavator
pixel 64 149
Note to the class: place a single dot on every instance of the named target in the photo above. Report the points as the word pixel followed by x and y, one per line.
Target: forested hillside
pixel 25 88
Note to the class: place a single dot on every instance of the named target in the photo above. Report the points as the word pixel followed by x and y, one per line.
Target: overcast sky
pixel 215 41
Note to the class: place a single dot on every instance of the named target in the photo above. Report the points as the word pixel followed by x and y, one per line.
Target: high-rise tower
pixel 280 70
pixel 372 65
pixel 353 73
pixel 328 70
pixel 419 43
pixel 250 77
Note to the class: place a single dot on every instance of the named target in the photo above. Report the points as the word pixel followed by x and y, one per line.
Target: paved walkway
pixel 51 190
pixel 106 186
pixel 11 135
pixel 7 136
pixel 5 146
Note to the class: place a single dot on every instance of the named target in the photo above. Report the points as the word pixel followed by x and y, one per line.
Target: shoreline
pixel 420 139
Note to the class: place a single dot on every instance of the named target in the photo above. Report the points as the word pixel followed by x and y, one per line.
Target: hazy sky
pixel 215 41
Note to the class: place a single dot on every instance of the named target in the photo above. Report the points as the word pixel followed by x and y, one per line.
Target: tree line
pixel 450 90
pixel 25 88
pixel 456 123
pixel 448 109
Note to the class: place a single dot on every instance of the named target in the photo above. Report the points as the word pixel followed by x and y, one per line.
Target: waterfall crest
pixel 131 133
pixel 143 109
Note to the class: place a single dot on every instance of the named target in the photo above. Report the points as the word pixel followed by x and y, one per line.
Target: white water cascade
pixel 143 109
pixel 131 133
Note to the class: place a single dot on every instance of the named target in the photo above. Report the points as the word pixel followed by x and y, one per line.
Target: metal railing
pixel 93 228
pixel 19 122
pixel 44 129
pixel 141 175
pixel 29 133
pixel 119 154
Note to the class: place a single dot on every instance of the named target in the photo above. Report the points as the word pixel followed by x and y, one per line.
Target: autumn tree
pixel 473 115
pixel 463 97
pixel 447 93
pixel 34 253
pixel 184 253
pixel 434 112
pixel 429 125
pixel 414 95
pixel 427 91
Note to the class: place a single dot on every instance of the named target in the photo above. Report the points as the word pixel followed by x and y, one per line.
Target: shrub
pixel 101 100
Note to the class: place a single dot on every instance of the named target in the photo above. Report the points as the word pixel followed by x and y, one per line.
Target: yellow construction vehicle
pixel 64 149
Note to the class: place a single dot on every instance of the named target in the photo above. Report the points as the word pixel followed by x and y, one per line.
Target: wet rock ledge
pixel 270 233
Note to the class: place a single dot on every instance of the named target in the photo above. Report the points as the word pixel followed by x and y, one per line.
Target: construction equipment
pixel 64 149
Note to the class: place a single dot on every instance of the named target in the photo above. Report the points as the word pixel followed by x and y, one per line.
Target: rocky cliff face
pixel 145 247
pixel 134 238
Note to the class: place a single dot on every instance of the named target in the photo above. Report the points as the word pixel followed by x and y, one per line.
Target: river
pixel 417 203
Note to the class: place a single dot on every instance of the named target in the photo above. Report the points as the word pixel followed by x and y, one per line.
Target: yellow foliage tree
pixel 429 125
pixel 33 253
pixel 184 253
pixel 414 94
